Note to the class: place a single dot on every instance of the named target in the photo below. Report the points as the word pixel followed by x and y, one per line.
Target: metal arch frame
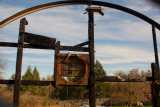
pixel 91 33
pixel 78 2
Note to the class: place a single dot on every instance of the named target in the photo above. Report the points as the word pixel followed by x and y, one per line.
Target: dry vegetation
pixel 25 98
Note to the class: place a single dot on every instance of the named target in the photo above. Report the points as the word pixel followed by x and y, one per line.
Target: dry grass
pixel 26 99
pixel 29 100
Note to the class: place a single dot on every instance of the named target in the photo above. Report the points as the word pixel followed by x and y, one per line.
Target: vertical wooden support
pixel 155 50
pixel 155 86
pixel 17 81
pixel 155 73
pixel 57 46
pixel 91 60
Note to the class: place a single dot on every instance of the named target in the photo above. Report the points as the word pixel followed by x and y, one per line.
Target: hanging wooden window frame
pixel 83 80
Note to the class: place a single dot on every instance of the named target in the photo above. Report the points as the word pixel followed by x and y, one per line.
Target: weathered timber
pixel 17 83
pixel 91 80
pixel 65 48
pixel 39 40
pixel 8 44
pixel 72 65
pixel 57 51
pixel 28 82
pixel 72 48
pixel 82 44
pixel 155 50
pixel 119 79
pixel 97 79
pixel 155 87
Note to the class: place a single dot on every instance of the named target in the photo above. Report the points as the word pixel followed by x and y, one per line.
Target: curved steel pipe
pixel 78 2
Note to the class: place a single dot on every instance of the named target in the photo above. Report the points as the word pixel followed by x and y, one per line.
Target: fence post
pixel 57 47
pixel 17 81
pixel 91 59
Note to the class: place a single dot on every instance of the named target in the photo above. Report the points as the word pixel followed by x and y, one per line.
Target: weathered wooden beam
pixel 11 44
pixel 155 50
pixel 8 44
pixel 155 87
pixel 28 82
pixel 82 44
pixel 72 48
pixel 57 51
pixel 118 79
pixel 39 40
pixel 91 79
pixel 17 83
pixel 66 48
pixel 97 79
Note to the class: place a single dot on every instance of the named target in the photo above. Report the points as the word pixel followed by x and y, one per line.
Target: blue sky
pixel 122 41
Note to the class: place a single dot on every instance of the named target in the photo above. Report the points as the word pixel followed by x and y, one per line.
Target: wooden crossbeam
pixel 39 40
pixel 82 44
pixel 98 79
pixel 66 48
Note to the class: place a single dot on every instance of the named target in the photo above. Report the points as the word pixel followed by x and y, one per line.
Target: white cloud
pixel 141 5
pixel 109 54
pixel 29 60
pixel 4 50
pixel 140 8
pixel 70 26
pixel 8 10
pixel 124 30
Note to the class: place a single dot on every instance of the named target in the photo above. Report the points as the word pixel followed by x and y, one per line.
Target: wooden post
pixel 155 86
pixel 91 59
pixel 57 48
pixel 155 50
pixel 17 82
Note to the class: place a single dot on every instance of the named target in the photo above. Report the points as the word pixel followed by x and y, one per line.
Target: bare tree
pixel 129 93
pixel 2 65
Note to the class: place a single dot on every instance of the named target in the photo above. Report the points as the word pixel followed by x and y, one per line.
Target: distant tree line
pixel 131 93
pixel 119 93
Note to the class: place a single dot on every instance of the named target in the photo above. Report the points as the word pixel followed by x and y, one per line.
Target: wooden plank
pixel 17 83
pixel 57 51
pixel 82 44
pixel 97 79
pixel 28 82
pixel 91 79
pixel 154 86
pixel 72 48
pixel 8 44
pixel 39 40
pixel 66 48
pixel 73 68
pixel 155 50
pixel 72 73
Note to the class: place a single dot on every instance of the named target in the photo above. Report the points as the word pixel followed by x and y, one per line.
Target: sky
pixel 122 41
